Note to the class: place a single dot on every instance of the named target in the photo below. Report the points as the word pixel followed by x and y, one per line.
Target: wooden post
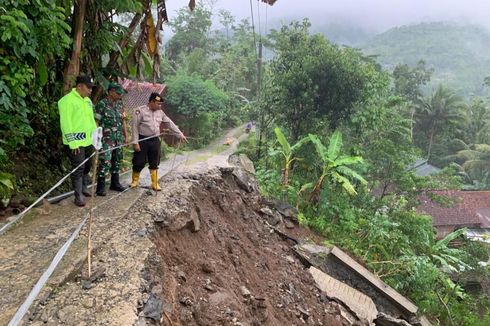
pixel 91 212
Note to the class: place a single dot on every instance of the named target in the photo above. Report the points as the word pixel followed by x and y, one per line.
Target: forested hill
pixel 459 54
pixel 344 33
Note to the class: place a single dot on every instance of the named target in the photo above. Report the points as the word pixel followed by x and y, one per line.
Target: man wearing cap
pixel 146 124
pixel 110 115
pixel 77 125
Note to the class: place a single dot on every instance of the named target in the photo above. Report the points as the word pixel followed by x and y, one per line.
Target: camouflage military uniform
pixel 110 116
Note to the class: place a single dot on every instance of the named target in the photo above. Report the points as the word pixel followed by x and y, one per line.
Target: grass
pixel 239 132
pixel 28 218
pixel 220 148
pixel 198 159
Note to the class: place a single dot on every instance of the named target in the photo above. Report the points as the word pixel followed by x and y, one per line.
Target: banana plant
pixel 287 152
pixel 6 187
pixel 448 258
pixel 335 167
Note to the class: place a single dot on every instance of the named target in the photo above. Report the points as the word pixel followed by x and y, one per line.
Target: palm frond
pixel 348 160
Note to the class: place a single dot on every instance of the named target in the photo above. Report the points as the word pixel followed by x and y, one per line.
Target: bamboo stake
pixel 92 202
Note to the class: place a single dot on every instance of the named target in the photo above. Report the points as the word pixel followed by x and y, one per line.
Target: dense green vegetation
pixel 459 54
pixel 35 65
pixel 336 130
pixel 209 73
pixel 331 154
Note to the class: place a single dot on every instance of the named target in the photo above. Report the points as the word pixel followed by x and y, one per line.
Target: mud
pixel 197 253
pixel 120 236
pixel 232 269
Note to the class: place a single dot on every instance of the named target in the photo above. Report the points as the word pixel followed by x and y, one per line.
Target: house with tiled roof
pixel 138 94
pixel 459 209
pixel 422 168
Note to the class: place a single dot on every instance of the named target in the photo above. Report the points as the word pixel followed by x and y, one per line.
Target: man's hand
pixel 184 138
pixel 137 147
pixel 76 151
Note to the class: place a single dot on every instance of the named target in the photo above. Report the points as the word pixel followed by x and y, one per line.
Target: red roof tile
pixel 472 208
pixel 484 217
pixel 139 93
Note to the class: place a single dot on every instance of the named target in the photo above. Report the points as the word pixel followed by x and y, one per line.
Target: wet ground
pixel 198 253
pixel 27 249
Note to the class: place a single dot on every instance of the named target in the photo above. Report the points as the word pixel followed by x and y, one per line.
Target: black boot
pixel 101 187
pixel 78 189
pixel 86 182
pixel 115 185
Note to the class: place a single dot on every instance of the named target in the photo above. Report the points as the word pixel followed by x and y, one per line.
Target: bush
pixel 206 108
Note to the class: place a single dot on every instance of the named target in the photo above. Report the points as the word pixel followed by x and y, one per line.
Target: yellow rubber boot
pixel 136 180
pixel 154 180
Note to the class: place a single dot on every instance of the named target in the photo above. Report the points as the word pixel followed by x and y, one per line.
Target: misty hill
pixel 460 54
pixel 344 33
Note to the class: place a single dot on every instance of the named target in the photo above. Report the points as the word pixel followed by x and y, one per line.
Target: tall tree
pixel 73 64
pixel 477 116
pixel 34 37
pixel 408 81
pixel 316 84
pixel 381 135
pixel 438 113
pixel 191 30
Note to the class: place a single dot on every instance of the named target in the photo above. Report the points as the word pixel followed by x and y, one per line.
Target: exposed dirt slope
pixel 198 253
pixel 220 264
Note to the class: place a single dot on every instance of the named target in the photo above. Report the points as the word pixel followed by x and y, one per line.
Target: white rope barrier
pixel 24 308
pixel 19 216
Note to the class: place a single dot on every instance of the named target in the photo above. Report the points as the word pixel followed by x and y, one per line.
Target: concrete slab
pixel 356 301
pixel 384 288
pixel 339 265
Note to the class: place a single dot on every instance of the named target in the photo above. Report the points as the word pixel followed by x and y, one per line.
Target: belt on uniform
pixel 149 139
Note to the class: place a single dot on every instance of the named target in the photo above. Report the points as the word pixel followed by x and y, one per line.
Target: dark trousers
pixel 76 160
pixel 150 152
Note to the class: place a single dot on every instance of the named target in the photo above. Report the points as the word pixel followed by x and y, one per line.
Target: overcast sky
pixel 377 15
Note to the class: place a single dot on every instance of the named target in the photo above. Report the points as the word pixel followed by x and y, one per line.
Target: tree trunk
pixel 411 123
pixel 285 179
pixel 431 140
pixel 72 69
pixel 259 140
pixel 296 123
pixel 259 70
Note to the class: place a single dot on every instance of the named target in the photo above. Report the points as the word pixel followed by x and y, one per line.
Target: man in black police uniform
pixel 146 124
